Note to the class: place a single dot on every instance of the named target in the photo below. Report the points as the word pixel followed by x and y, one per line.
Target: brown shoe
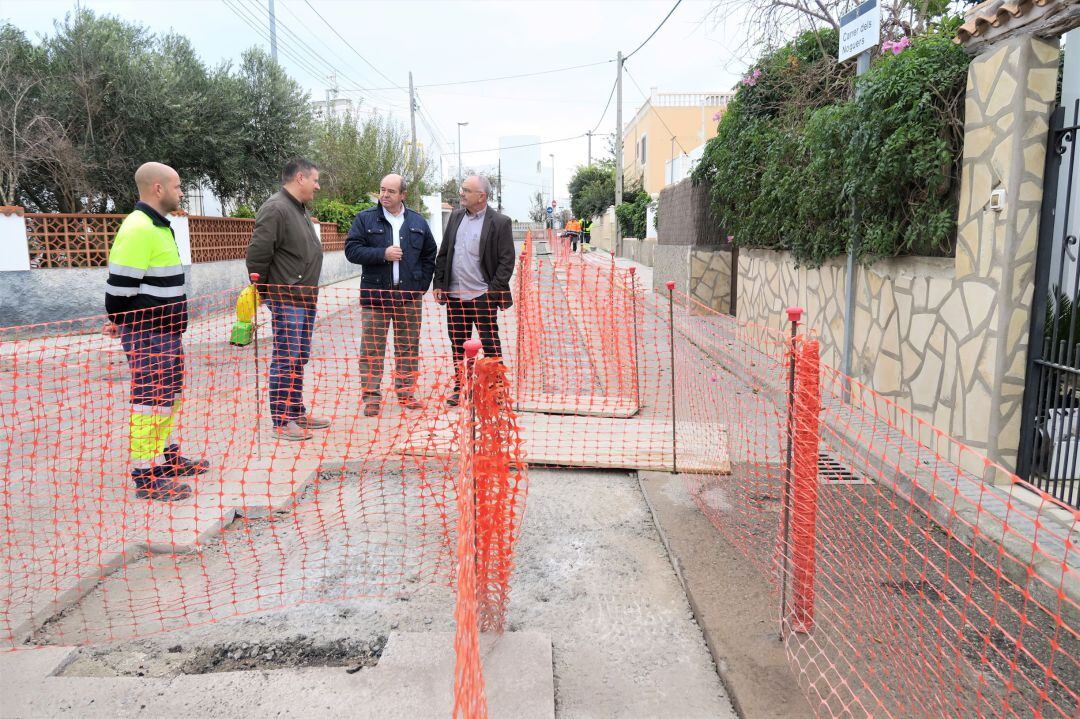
pixel 371 409
pixel 409 401
pixel 293 431
pixel 310 421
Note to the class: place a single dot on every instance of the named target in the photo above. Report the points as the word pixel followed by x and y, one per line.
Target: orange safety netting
pixel 913 577
pixel 491 497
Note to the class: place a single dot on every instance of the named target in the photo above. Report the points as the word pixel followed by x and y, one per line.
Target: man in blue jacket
pixel 397 250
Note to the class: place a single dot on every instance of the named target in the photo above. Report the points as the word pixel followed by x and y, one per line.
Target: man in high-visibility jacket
pixel 148 310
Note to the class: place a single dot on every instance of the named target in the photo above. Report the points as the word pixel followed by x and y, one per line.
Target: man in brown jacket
pixel 286 254
pixel 473 270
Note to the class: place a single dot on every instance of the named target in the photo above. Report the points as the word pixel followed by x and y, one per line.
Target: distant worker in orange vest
pixel 573 228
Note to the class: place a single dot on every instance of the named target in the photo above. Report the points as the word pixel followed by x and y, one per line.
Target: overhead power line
pixel 659 116
pixel 606 106
pixel 308 65
pixel 514 147
pixel 506 77
pixel 254 24
pixel 355 51
pixel 650 37
pixel 344 63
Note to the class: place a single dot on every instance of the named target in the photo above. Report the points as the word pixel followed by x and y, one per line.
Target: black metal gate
pixel 1049 453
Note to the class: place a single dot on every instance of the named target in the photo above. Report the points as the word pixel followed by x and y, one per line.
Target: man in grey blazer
pixel 472 272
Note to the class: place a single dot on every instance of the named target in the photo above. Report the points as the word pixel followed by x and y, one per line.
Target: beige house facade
pixel 667 125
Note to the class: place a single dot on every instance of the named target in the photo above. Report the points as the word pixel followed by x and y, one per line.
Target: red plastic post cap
pixel 794 314
pixel 472 347
pixel 254 276
pixel 633 269
pixel 670 285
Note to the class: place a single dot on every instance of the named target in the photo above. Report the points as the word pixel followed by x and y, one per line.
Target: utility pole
pixel 850 292
pixel 552 156
pixel 459 126
pixel 589 133
pixel 618 147
pixel 273 33
pixel 412 124
pixel 500 183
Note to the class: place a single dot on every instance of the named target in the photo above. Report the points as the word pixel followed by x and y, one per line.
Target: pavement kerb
pixel 109 564
pixel 737 689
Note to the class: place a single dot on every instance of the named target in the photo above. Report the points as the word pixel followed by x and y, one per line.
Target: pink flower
pixel 716 117
pixel 751 79
pixel 896 47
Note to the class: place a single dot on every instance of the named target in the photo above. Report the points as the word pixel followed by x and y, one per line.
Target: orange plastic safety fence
pixel 913 577
pixel 94 500
pixel 491 498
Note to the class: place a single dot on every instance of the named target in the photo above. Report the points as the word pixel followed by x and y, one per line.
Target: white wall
pixel 433 205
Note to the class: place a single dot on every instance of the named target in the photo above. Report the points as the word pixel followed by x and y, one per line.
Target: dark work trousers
pixel 402 310
pixel 292 327
pixel 461 317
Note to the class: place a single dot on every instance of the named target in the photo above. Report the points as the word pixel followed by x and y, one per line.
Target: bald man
pixel 397 251
pixel 147 305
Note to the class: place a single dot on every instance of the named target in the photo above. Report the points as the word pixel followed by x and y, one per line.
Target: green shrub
pixel 340 213
pixel 633 215
pixel 796 151
pixel 244 211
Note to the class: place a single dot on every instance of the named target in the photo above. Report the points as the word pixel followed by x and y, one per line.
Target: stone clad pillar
pixel 1010 95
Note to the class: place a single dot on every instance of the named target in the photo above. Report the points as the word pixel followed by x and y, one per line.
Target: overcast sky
pixel 447 41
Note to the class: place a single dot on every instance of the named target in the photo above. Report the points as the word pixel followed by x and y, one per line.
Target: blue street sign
pixel 551 210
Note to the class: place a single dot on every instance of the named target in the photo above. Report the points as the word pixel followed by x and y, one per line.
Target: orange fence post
pixel 634 322
pixel 470 701
pixel 671 342
pixel 804 511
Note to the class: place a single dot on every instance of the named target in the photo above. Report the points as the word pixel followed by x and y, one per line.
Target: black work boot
pixel 177 466
pixel 151 484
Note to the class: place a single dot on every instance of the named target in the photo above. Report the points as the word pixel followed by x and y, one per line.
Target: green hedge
pixel 340 213
pixel 633 215
pixel 796 151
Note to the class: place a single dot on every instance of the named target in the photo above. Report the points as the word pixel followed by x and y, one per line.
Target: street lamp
pixel 552 156
pixel 459 126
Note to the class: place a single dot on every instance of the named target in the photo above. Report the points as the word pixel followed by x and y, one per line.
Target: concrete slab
pixel 582 405
pixel 413 679
pixel 598 443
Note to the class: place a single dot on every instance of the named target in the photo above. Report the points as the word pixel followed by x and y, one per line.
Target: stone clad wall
pixel 710 278
pixel 917 329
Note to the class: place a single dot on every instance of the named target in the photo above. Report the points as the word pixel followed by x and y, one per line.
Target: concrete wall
pixel 643 251
pixel 602 236
pixel 688 248
pixel 50 295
